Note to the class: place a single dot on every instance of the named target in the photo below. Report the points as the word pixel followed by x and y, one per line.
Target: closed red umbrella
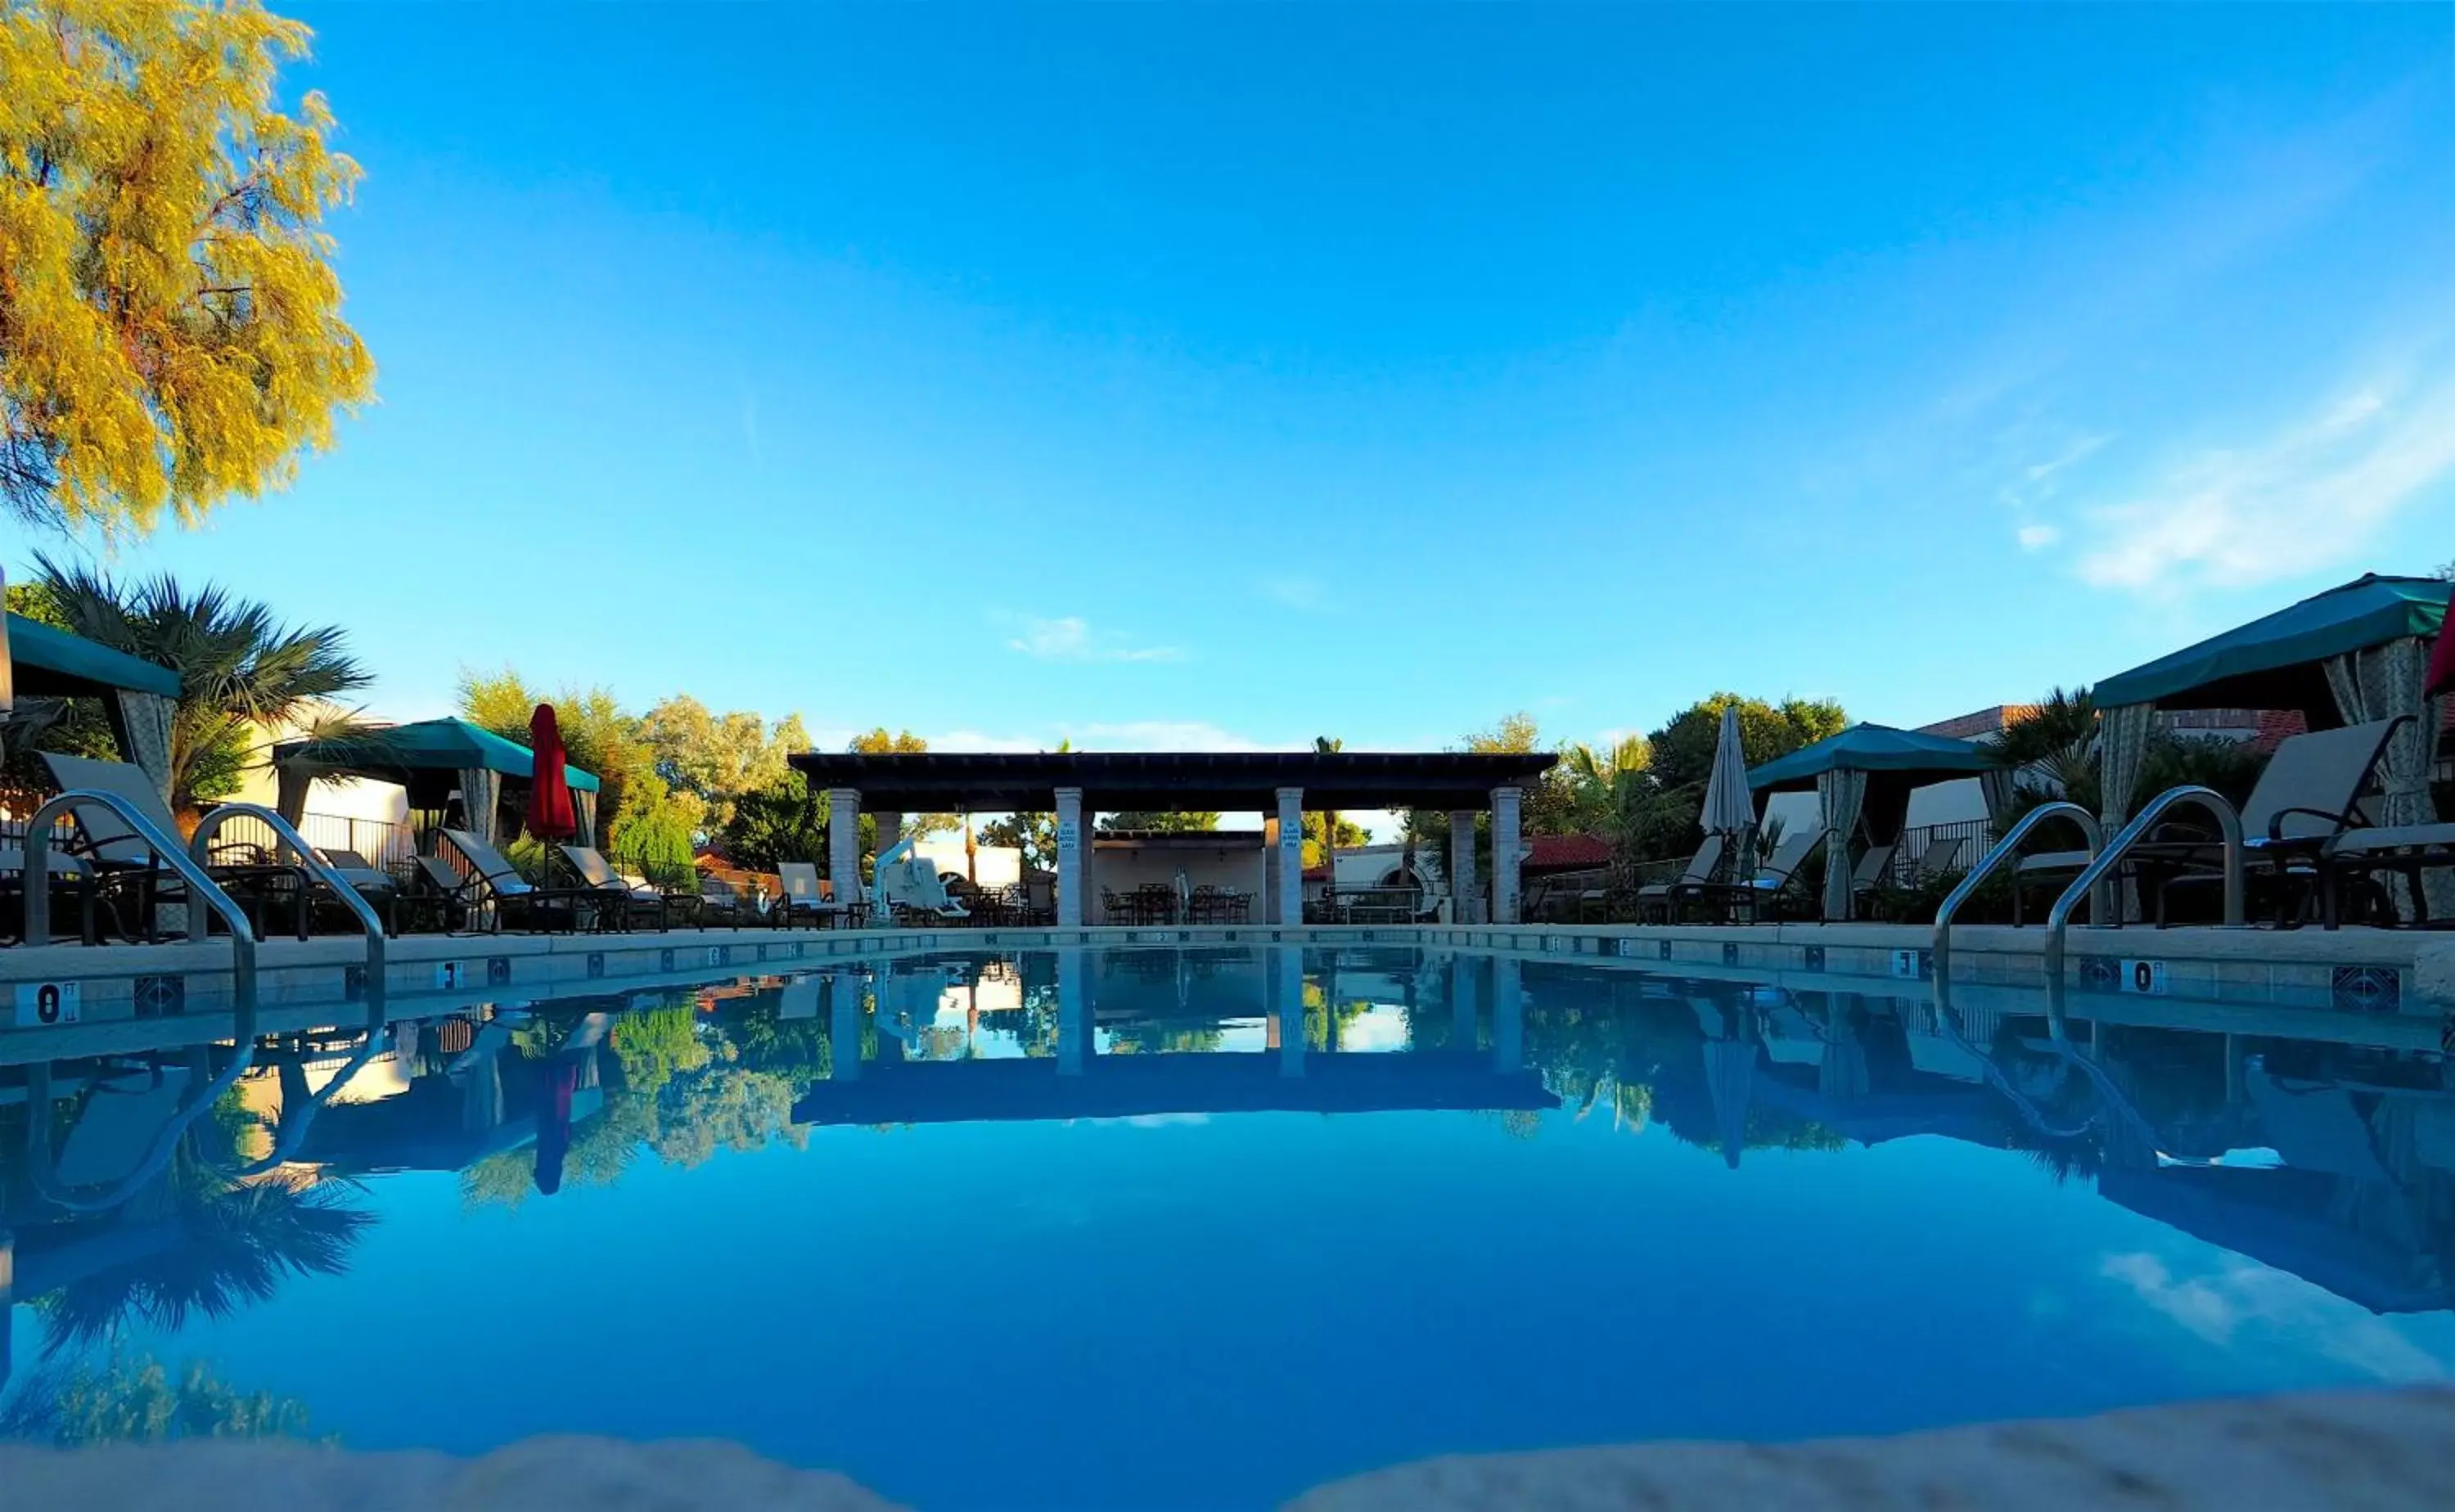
pixel 2442 662
pixel 551 817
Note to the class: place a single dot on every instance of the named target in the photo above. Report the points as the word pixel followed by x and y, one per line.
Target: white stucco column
pixel 1505 845
pixel 1073 847
pixel 1288 904
pixel 1466 893
pixel 890 829
pixel 843 842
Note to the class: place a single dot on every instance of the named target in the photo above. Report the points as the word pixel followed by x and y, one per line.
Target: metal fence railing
pixel 383 844
pixel 1974 835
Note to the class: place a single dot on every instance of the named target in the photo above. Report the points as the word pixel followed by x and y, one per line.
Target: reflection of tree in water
pixel 238 1244
pixel 135 1399
pixel 683 1087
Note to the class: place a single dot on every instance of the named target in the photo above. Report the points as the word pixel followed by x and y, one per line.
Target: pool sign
pixel 40 1003
pixel 2142 978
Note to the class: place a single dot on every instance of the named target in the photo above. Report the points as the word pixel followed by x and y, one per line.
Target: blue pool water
pixel 1203 1228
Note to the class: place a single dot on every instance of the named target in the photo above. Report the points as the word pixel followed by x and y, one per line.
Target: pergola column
pixel 1464 892
pixel 890 829
pixel 1289 906
pixel 1503 854
pixel 843 842
pixel 1072 847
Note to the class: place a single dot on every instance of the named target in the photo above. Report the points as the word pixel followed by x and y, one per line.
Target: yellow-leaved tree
pixel 171 329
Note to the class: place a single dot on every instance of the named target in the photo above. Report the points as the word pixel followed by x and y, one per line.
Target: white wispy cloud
pixel 1071 638
pixel 2314 493
pixel 2240 1301
pixel 2038 538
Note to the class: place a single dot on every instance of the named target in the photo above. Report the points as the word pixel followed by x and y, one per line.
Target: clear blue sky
pixel 1166 376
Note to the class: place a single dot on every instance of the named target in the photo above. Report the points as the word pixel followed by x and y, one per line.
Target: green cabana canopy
pixel 1873 748
pixel 430 745
pixel 431 758
pixel 51 663
pixel 2277 662
pixel 1865 773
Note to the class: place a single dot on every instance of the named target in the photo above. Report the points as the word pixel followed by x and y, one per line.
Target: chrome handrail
pixel 323 871
pixel 2005 849
pixel 43 1169
pixel 2229 827
pixel 200 883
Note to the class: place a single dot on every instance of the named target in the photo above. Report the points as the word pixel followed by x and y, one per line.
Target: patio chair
pixel 629 900
pixel 1662 896
pixel 2309 795
pixel 807 895
pixel 493 879
pixel 118 856
pixel 1942 854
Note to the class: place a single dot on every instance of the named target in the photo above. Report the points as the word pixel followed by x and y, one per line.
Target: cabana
pixel 2349 656
pixel 1866 773
pixel 431 758
pixel 139 697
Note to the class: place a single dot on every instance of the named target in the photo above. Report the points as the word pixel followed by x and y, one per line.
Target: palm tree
pixel 2057 740
pixel 240 669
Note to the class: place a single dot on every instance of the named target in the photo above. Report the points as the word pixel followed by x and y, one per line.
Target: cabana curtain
pixel 1839 792
pixel 2384 682
pixel 2123 749
pixel 142 723
pixel 291 780
pixel 584 805
pixel 2000 786
pixel 482 791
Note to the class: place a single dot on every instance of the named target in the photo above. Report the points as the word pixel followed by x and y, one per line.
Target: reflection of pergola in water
pixel 1076 1082
pixel 1280 786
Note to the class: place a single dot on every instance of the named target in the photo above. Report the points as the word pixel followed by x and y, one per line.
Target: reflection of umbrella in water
pixel 1730 1079
pixel 553 1124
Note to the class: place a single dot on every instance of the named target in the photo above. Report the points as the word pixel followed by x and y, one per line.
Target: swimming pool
pixel 1163 1227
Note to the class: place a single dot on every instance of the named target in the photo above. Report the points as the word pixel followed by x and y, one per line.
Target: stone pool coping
pixel 2360 1451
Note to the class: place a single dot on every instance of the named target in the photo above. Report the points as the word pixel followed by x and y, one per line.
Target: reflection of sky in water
pixel 1180 1306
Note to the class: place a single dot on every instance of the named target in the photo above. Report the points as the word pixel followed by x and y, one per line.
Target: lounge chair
pixel 808 895
pixel 1760 891
pixel 1942 855
pixel 2307 800
pixel 634 900
pixel 379 888
pixel 1662 896
pixel 70 875
pixel 120 856
pixel 1874 870
pixel 493 879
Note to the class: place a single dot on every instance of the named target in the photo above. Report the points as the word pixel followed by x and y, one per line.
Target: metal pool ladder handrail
pixel 320 869
pixel 2008 848
pixel 2228 826
pixel 201 885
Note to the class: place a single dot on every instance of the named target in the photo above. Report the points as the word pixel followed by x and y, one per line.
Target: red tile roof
pixel 1567 852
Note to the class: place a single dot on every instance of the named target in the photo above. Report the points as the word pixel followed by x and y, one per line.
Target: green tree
pixel 171 329
pixel 1154 821
pixel 783 821
pixel 1683 748
pixel 241 673
pixel 1034 834
pixel 719 757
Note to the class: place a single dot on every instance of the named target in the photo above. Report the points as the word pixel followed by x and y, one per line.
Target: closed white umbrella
pixel 1729 809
